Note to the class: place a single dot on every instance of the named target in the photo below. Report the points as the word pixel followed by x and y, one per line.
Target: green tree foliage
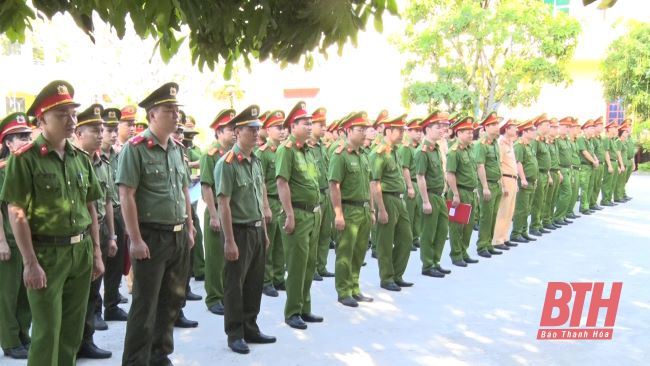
pixel 218 31
pixel 626 70
pixel 473 56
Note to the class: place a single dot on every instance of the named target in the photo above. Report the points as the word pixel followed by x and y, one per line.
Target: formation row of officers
pixel 279 190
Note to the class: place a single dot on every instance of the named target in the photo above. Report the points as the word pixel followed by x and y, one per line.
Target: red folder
pixel 460 213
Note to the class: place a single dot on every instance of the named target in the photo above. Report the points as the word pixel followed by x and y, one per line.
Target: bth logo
pixel 573 316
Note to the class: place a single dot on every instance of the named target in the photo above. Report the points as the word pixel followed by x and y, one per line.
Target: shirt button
pixel 48 187
pixel 68 182
pixel 72 201
pixel 74 221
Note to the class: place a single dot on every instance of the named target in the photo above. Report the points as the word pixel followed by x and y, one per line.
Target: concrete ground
pixel 486 314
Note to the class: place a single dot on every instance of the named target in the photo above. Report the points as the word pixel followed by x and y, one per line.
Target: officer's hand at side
pixel 112 248
pixel 596 163
pixel 524 183
pixel 339 223
pixel 610 170
pixel 230 250
pixel 267 242
pixel 289 225
pixel 268 215
pixel 455 201
pixel 426 208
pixel 5 252
pixel 139 250
pixel 410 192
pixel 215 224
pixel 486 194
pixel 191 233
pixel 98 266
pixel 383 217
pixel 34 277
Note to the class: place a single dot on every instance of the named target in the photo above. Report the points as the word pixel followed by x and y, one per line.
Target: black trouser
pixel 115 265
pixel 94 298
pixel 243 282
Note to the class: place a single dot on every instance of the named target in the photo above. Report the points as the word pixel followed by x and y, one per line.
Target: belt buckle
pixel 366 204
pixel 401 195
pixel 316 209
pixel 178 227
pixel 76 239
pixel 258 223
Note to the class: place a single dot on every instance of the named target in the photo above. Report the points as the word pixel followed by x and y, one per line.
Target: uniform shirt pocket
pixel 48 184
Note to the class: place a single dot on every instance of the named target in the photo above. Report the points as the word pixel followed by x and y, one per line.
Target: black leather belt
pixel 509 176
pixel 396 194
pixel 465 188
pixel 306 207
pixel 437 192
pixel 356 203
pixel 252 224
pixel 492 181
pixel 59 240
pixel 567 166
pixel 163 227
pixel 555 169
pixel 543 171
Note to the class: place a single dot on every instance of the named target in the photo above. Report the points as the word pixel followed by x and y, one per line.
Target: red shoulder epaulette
pixel 229 157
pixel 136 139
pixel 339 149
pixel 213 151
pixel 24 148
pixel 425 147
pixel 263 147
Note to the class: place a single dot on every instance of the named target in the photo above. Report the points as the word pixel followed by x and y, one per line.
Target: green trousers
pixel 274 263
pixel 522 209
pixel 325 234
pixel 94 296
pixel 575 189
pixel 115 265
pixel 158 294
pixel 586 181
pixel 15 316
pixel 351 250
pixel 59 310
pixel 459 234
pixel 198 253
pixel 609 182
pixel 619 189
pixel 598 183
pixel 414 209
pixel 628 173
pixel 300 256
pixel 435 227
pixel 488 216
pixel 537 208
pixel 394 240
pixel 565 191
pixel 214 262
pixel 551 198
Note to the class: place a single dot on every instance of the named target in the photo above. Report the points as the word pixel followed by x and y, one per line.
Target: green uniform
pixel 394 239
pixel 159 177
pixel 295 164
pixel 198 253
pixel 486 152
pixel 406 153
pixel 463 166
pixel 274 270
pixel 213 246
pixel 599 152
pixel 54 193
pixel 543 155
pixel 565 189
pixel 351 170
pixel 15 316
pixel 627 155
pixel 630 146
pixel 610 179
pixel 553 191
pixel 525 155
pixel 586 172
pixel 242 180
pixel 575 187
pixel 319 152
pixel 435 226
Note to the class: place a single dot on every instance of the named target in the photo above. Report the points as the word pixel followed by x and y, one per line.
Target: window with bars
pixel 615 111
pixel 559 5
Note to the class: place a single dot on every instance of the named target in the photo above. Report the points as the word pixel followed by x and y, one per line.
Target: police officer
pixel 239 187
pixel 588 162
pixel 553 191
pixel 563 145
pixel 15 316
pixel 598 174
pixel 406 153
pixel 54 202
pixel 630 147
pixel 214 261
pixel 274 270
pixel 296 175
pixel 613 158
pixel 89 137
pixel 431 182
pixel 543 155
pixel 624 164
pixel 394 236
pixel 153 183
pixel 509 175
pixel 126 128
pixel 528 173
pixel 574 132
pixel 349 177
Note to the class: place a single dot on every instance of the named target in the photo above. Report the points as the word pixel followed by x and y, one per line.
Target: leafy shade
pixel 472 56
pixel 626 70
pixel 218 31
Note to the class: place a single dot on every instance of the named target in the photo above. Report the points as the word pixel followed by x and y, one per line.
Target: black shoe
pixel 296 322
pixel 545 230
pixel 572 216
pixel 607 204
pixel 362 298
pixel 115 313
pixel 326 273
pixel 548 227
pixel 165 361
pixel 99 323
pixel 442 270
pixel 217 309
pixel 534 232
pixel 260 338
pixel 494 251
pixel 90 350
pixel 374 254
pixel 332 244
pixel 317 277
pixel 518 239
pixel 510 244
pixel 592 211
pixel 557 226
pixel 615 204
pixel 199 278
pixel 529 238
pixel 432 272
pixel 597 208
pixel 475 227
pixel 269 290
pixel 470 260
pixel 191 296
pixel 567 221
pixel 311 318
pixel 123 300
pixel 239 346
pixel 484 253
pixel 18 353
pixel 183 322
pixel 416 242
pixel 280 286
pixel 501 247
pixel 559 223
pixel 402 283
pixel 391 286
pixel 459 263
pixel 349 301
pixel 414 248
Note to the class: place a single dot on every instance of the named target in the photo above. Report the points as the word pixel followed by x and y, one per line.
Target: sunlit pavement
pixel 486 314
